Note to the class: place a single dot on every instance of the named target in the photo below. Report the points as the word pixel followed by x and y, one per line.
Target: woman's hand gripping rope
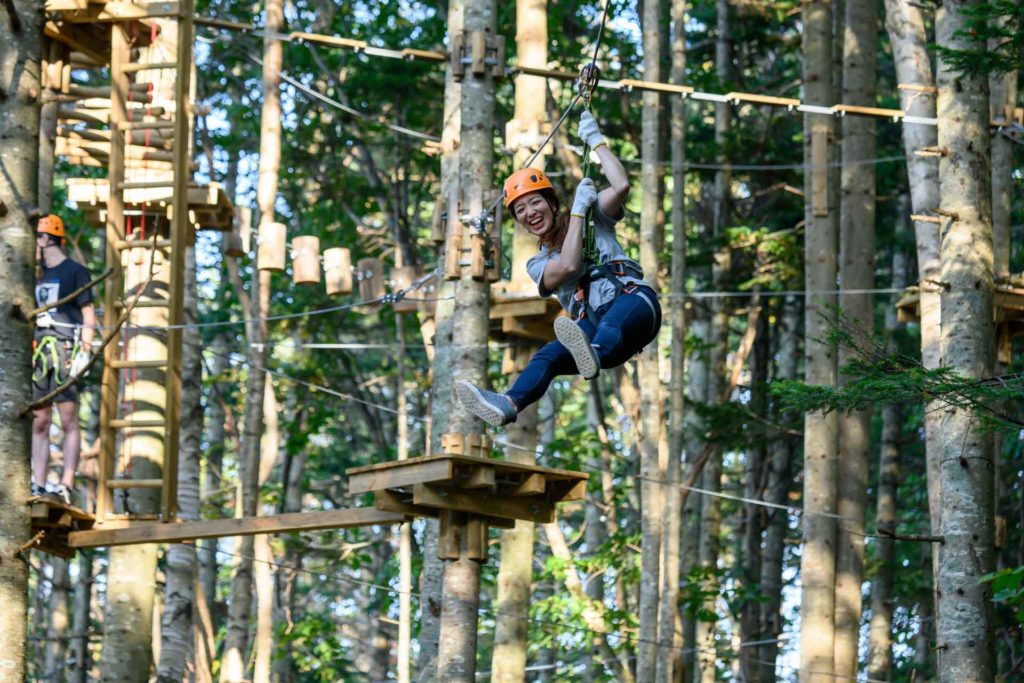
pixel 586 195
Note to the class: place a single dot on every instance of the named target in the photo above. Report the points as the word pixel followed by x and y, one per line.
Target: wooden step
pixel 123 363
pixel 122 245
pixel 133 68
pixel 136 424
pixel 145 303
pixel 135 483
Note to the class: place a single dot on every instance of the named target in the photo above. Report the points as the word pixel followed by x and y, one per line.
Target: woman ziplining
pixel 614 313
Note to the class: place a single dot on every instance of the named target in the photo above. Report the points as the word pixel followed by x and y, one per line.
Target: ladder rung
pixel 152 185
pixel 122 245
pixel 145 125
pixel 146 303
pixel 135 483
pixel 132 68
pixel 127 363
pixel 136 424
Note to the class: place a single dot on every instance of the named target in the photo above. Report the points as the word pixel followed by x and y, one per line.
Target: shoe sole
pixel 575 341
pixel 471 398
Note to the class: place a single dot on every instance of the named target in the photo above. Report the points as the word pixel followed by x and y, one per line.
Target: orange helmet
pixel 51 225
pixel 525 181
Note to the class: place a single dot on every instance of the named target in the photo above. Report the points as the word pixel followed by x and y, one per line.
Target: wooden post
pixel 370 273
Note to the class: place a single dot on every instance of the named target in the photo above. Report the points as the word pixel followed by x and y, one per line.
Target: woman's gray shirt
pixel 601 291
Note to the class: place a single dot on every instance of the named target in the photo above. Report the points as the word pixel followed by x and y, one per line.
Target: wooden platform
pixel 497 491
pixel 209 205
pixel 522 315
pixel 1007 314
pixel 53 522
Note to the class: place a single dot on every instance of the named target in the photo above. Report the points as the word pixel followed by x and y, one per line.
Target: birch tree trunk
pixel 456 657
pixel 964 635
pixel 20 61
pixel 240 603
pixel 652 465
pixel 906 27
pixel 879 664
pixel 57 615
pixel 81 619
pixel 670 637
pixel 856 272
pixel 177 639
pixel 818 561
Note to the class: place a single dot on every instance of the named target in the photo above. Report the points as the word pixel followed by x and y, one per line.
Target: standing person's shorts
pixel 51 367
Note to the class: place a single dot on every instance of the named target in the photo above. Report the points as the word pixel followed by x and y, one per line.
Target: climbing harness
pixel 51 353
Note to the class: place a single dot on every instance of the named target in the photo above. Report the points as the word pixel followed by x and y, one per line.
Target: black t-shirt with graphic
pixel 57 283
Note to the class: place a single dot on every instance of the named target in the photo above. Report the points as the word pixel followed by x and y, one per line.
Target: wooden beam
pixel 158 532
pixel 482 503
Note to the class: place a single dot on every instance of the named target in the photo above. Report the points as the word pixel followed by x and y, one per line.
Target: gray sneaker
pixel 492 408
pixel 62 493
pixel 575 340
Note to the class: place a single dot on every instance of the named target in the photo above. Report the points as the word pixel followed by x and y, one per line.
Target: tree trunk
pixel 856 272
pixel 653 465
pixel 670 638
pixel 780 480
pixel 697 380
pixel 512 607
pixel 57 616
pixel 1003 89
pixel 964 636
pixel 818 562
pixel 906 26
pixel 879 662
pixel 239 605
pixel 176 649
pixel 441 404
pixel 81 620
pixel 217 439
pixel 456 657
pixel 20 61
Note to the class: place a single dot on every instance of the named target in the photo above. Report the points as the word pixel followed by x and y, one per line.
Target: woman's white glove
pixel 586 195
pixel 589 131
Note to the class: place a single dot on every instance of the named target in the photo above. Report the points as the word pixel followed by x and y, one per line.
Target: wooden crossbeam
pixel 158 532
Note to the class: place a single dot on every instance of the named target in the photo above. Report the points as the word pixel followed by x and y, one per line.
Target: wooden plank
pixel 869 111
pixel 415 473
pixel 482 503
pixel 631 83
pixel 476 477
pixel 158 532
pixel 515 327
pixel 120 11
pixel 565 491
pixel 763 99
pixel 532 485
pixel 501 465
pixel 393 502
pixel 518 309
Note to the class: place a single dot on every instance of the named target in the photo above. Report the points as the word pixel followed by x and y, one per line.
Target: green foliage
pixel 1007 590
pixel 995 27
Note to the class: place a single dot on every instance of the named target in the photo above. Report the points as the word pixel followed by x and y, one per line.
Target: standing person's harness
pixel 50 352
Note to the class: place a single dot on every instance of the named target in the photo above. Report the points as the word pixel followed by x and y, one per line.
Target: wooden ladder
pixel 132 433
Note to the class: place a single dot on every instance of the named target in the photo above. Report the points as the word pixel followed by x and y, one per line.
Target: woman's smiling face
pixel 534 213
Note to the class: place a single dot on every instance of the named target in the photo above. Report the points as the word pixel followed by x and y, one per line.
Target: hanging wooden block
pixel 403 278
pixel 306 260
pixel 819 173
pixel 272 247
pixel 370 273
pixel 453 238
pixel 338 271
pixel 494 265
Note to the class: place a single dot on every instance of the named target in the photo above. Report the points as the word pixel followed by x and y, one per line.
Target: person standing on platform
pixel 62 346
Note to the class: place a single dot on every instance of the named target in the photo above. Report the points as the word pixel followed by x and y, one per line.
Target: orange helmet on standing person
pixel 51 225
pixel 524 181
